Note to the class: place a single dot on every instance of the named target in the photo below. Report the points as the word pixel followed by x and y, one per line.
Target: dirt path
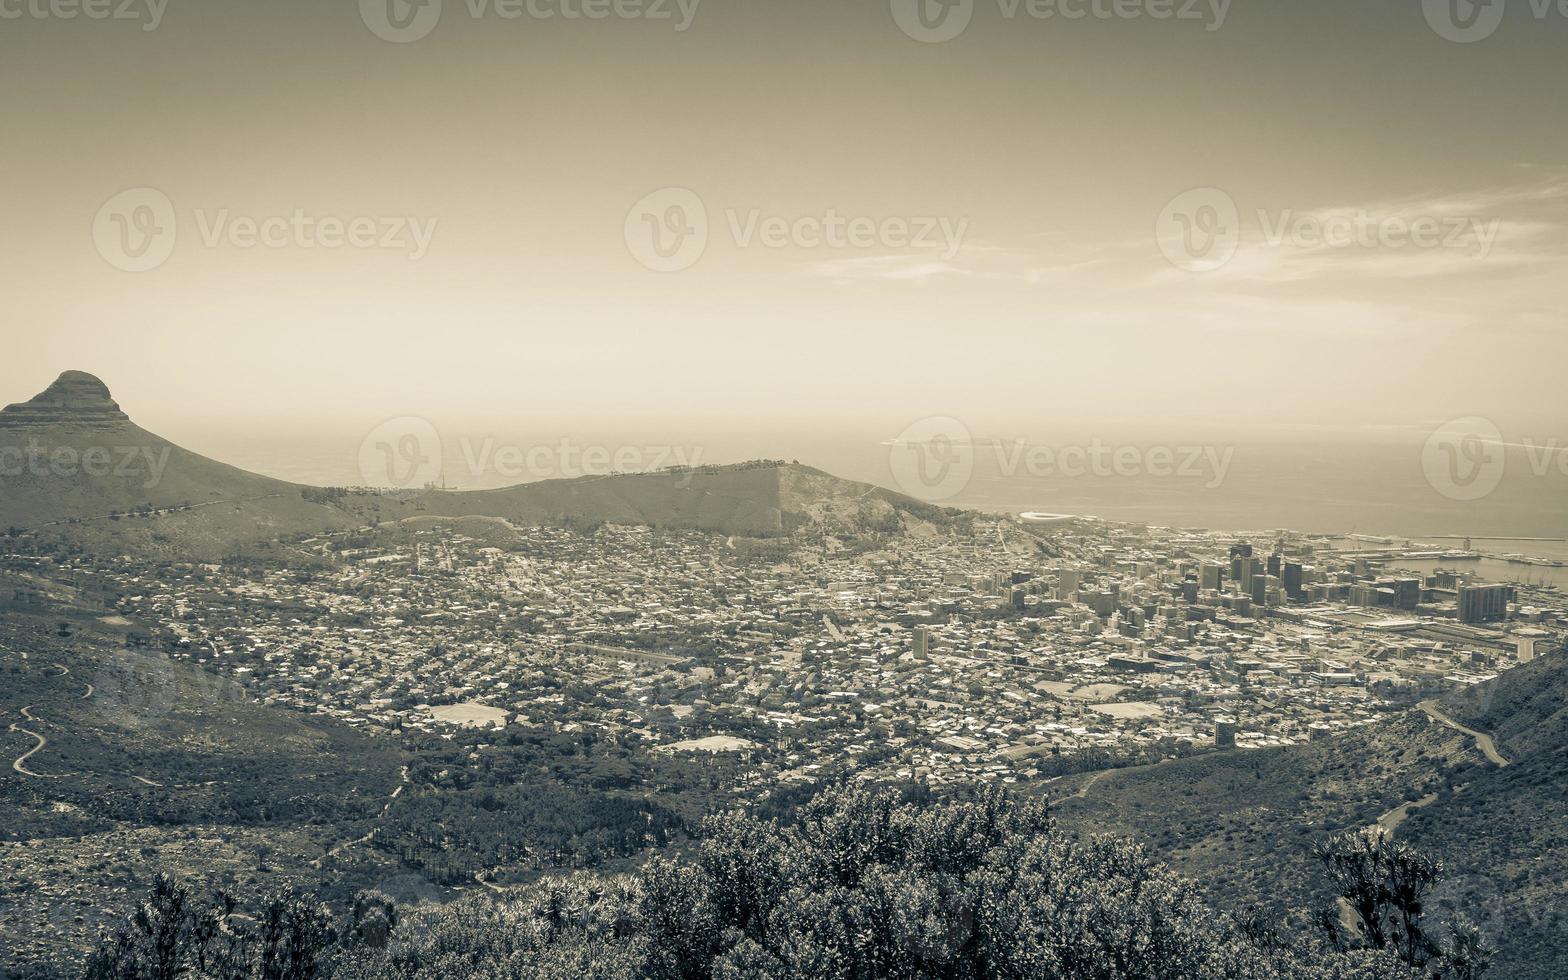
pixel 1088 784
pixel 367 838
pixel 20 765
pixel 1083 791
pixel 162 512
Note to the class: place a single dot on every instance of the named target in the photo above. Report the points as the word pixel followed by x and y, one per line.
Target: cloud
pixel 974 261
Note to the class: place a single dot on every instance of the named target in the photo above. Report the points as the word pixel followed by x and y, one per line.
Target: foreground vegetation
pixel 862 884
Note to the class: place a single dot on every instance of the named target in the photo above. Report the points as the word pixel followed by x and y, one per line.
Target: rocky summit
pixel 75 398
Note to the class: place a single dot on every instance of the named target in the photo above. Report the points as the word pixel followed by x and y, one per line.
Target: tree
pixel 1384 883
pixel 171 936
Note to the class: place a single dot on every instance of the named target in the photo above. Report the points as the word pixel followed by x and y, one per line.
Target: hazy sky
pixel 1054 144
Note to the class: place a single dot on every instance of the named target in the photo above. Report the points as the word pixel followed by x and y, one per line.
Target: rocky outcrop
pixel 76 398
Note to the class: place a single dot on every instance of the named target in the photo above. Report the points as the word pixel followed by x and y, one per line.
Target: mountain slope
pixel 75 469
pixel 1525 709
pixel 754 499
pixel 1244 822
pixel 116 763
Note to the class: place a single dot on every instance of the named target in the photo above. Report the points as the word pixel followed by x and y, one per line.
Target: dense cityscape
pixel 1002 650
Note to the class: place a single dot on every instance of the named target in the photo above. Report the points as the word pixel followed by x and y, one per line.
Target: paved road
pixel 1484 741
pixel 1390 821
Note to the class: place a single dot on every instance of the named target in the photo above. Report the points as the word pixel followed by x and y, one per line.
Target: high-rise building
pixel 1225 732
pixel 1292 574
pixel 1211 576
pixel 922 642
pixel 1068 581
pixel 1482 603
pixel 1241 572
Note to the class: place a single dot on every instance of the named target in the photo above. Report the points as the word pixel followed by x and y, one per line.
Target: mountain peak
pixel 76 397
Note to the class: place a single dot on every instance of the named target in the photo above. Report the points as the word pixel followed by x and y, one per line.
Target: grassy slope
pixel 236 777
pixel 209 506
pixel 1243 823
pixel 208 510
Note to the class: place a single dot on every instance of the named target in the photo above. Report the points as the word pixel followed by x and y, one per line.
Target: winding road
pixel 1484 741
pixel 1390 821
pixel 20 765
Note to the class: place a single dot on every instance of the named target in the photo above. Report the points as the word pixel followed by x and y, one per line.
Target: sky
pixel 1268 215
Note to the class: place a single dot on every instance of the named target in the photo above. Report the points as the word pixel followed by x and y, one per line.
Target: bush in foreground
pixel 863 885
